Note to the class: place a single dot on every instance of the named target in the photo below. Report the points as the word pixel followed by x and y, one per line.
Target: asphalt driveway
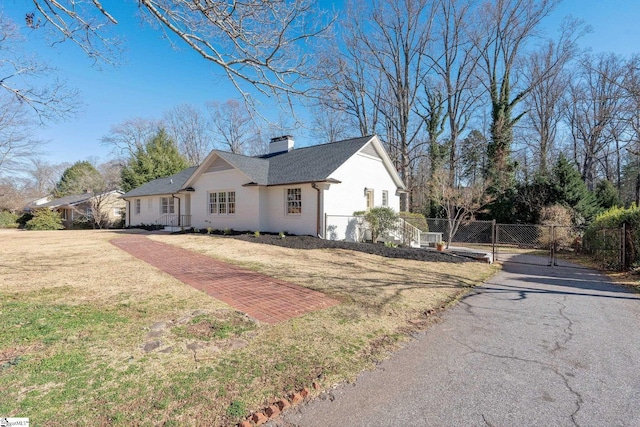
pixel 535 346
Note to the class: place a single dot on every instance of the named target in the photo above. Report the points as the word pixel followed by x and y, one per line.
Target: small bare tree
pixel 459 203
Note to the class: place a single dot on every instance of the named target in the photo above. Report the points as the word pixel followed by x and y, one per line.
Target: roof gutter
pixel 127 212
pixel 179 216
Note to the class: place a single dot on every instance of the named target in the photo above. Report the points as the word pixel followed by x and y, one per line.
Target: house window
pixel 222 203
pixel 294 201
pixel 167 205
pixel 138 205
pixel 150 203
pixel 369 199
pixel 385 198
pixel 63 214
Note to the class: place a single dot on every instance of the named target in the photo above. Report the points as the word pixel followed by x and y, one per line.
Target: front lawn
pixel 92 336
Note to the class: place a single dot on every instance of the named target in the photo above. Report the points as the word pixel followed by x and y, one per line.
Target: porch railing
pixel 174 220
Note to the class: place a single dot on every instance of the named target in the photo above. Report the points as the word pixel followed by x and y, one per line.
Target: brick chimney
pixel 281 144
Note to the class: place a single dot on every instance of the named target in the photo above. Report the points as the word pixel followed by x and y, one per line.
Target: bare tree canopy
pixel 129 136
pixel 28 81
pixel 29 96
pixel 504 33
pixel 190 129
pixel 263 43
pixel 235 129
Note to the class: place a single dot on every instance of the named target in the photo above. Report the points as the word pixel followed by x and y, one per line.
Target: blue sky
pixel 154 77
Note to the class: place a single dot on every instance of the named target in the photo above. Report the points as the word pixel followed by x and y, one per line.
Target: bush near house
pixel 8 220
pixel 613 219
pixel 44 219
pixel 416 219
pixel 381 220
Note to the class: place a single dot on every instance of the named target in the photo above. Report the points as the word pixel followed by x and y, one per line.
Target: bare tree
pixel 257 42
pixel 129 136
pixel 191 131
pixel 234 125
pixel 504 30
pixel 29 96
pixel 454 62
pixel 329 123
pixel 27 83
pixel 593 105
pixel 543 104
pixel 44 176
pixel 353 87
pixel 393 37
pixel 632 92
pixel 17 148
pixel 460 203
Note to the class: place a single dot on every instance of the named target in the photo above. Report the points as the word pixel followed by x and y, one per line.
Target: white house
pixel 306 191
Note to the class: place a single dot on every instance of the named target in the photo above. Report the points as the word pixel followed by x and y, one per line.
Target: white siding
pixel 356 174
pixel 359 172
pixel 151 208
pixel 277 218
pixel 247 216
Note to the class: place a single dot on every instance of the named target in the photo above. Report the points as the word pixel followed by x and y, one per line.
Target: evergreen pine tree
pixel 568 189
pixel 158 158
pixel 80 178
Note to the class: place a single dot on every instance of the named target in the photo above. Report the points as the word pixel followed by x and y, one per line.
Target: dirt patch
pixel 309 242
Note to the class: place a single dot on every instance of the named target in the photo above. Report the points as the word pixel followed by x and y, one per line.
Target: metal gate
pixel 545 245
pixel 524 244
pixel 553 245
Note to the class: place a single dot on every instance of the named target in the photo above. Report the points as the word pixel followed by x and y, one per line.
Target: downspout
pixel 318 213
pixel 127 211
pixel 179 218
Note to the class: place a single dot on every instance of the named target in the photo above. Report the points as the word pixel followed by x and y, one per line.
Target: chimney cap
pixel 281 138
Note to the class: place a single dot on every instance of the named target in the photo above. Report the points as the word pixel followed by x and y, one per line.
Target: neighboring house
pixel 105 208
pixel 305 191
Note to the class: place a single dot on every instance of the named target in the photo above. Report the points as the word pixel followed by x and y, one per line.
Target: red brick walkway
pixel 261 297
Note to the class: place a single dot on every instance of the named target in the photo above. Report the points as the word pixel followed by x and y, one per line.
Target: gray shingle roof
pixel 256 168
pixel 313 163
pixel 66 200
pixel 169 185
pixel 70 200
pixel 307 164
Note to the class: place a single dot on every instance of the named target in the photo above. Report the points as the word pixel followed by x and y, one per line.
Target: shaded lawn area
pixel 92 336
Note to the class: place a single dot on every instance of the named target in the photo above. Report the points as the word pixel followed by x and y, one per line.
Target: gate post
pixel 552 246
pixel 493 240
pixel 623 246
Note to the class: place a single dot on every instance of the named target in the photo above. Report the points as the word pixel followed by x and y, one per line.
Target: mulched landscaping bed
pixel 308 242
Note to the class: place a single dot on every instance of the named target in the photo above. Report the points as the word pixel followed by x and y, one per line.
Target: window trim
pixel 290 207
pixel 370 201
pixel 221 200
pixel 170 206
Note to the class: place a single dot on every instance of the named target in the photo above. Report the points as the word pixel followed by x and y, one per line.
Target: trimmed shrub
pixel 381 220
pixel 8 220
pixel 44 219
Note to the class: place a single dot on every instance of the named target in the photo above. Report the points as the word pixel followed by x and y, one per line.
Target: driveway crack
pixel 578 397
